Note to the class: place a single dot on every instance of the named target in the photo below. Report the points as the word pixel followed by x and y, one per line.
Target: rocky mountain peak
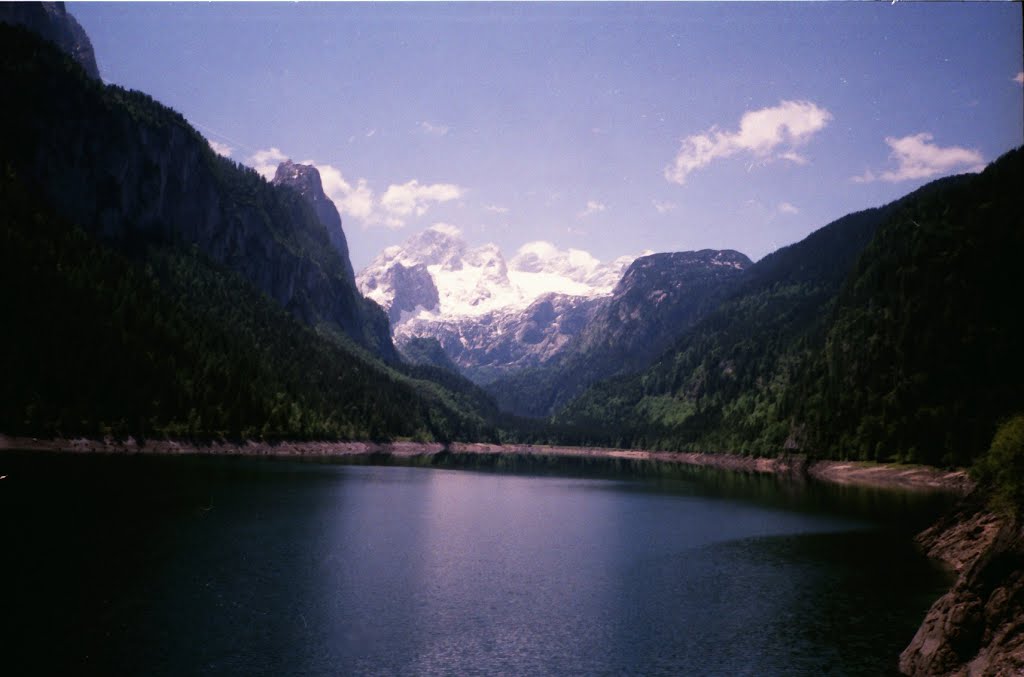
pixel 675 269
pixel 439 245
pixel 670 282
pixel 51 21
pixel 305 179
pixel 400 290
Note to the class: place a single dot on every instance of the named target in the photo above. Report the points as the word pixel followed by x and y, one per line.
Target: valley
pixel 175 306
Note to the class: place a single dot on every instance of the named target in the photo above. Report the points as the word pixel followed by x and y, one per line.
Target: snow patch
pixel 478 281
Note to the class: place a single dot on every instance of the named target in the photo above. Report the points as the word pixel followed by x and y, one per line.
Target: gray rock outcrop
pixel 305 179
pixel 52 21
pixel 977 628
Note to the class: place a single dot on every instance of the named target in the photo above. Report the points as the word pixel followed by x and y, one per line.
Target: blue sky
pixel 608 127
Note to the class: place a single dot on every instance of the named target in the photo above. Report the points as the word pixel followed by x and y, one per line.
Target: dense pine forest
pixel 135 330
pixel 165 343
pixel 891 334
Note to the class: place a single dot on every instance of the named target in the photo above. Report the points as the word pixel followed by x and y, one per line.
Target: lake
pixel 240 566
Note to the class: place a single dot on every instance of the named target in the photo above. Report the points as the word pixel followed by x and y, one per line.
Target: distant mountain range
pixel 435 275
pixel 888 334
pixel 494 319
pixel 490 316
pixel 160 289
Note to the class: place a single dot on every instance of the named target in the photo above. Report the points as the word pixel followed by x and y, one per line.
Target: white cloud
pixel 593 207
pixel 220 148
pixel 434 130
pixel 266 161
pixel 761 133
pixel 358 201
pixel 412 197
pixel 542 263
pixel 917 157
pixel 664 206
pixel 787 208
pixel 497 209
pixel 541 255
pixel 867 177
pixel 355 201
pixel 398 201
pixel 1019 78
pixel 447 229
pixel 794 157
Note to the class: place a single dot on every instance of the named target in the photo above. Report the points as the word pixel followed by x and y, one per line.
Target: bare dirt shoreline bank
pixel 915 478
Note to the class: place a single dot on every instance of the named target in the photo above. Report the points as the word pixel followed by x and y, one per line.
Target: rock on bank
pixel 977 628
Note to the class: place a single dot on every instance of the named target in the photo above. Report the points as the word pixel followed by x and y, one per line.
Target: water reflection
pixel 245 566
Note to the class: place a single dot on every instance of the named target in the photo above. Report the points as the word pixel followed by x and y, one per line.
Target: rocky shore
pixel 977 628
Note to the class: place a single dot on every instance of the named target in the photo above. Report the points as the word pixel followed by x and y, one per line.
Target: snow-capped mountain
pixel 473 282
pixel 490 315
pixel 659 298
pixel 499 342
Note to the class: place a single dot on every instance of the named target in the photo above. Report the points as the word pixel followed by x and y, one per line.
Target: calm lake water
pixel 183 566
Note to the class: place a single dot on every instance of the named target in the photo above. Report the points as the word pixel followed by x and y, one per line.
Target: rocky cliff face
pixel 658 298
pixel 488 346
pixel 977 628
pixel 134 172
pixel 305 179
pixel 410 288
pixel 51 21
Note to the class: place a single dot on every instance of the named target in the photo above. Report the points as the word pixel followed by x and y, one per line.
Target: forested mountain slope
pixel 156 288
pixel 891 333
pixel 130 170
pixel 923 357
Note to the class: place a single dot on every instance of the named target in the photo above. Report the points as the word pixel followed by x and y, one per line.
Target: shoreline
pixel 865 474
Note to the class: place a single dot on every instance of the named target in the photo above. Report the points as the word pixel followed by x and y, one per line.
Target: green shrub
pixel 1001 470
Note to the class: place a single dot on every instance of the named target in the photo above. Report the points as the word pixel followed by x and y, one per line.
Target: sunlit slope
pixel 891 333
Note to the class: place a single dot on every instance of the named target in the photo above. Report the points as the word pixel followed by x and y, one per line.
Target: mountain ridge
pixel 824 347
pixel 472 281
pixel 164 290
pixel 52 22
pixel 155 179
pixel 490 315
